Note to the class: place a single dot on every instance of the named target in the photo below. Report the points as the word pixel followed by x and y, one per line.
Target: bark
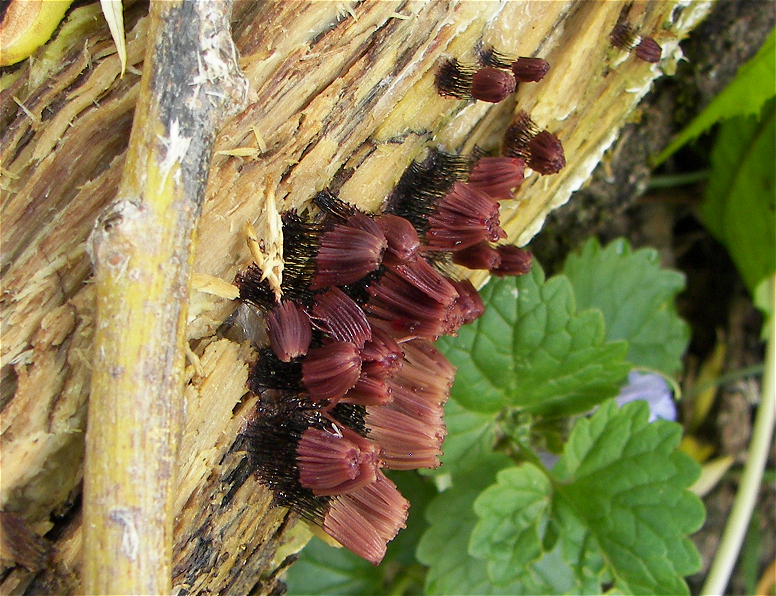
pixel 342 96
pixel 142 248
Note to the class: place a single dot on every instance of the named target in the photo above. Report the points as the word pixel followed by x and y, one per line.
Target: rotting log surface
pixel 339 99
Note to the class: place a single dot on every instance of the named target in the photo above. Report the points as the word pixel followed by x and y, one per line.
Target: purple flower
pixel 653 389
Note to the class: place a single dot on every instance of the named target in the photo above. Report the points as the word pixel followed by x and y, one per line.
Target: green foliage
pixel 534 351
pixel 753 85
pixel 516 516
pixel 636 298
pixel 612 511
pixel 600 504
pixel 451 517
pixel 738 206
pixel 322 569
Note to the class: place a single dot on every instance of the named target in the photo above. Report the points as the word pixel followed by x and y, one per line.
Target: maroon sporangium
pixel 365 520
pixel 381 356
pixel 497 176
pixel 423 355
pixel 289 331
pixel 648 50
pixel 545 153
pixel 329 371
pixel 345 255
pixel 401 309
pixel 361 221
pixel 530 70
pixel 623 36
pixel 368 391
pixel 426 405
pixel 426 279
pixel 464 216
pixel 402 238
pixel 492 84
pixel 541 150
pixel 408 443
pixel 468 307
pixel 514 261
pixel 337 314
pixel 384 504
pixel 421 391
pixel 478 256
pixel 336 461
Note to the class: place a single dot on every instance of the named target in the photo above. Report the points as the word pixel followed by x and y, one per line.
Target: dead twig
pixel 141 250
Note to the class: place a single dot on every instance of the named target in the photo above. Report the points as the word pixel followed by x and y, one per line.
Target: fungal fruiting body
pixel 625 38
pixel 530 70
pixel 492 84
pixel 348 381
pixel 495 80
pixel 541 150
pixel 497 177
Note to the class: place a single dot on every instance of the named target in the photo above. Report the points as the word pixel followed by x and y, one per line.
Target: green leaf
pixel 524 529
pixel 616 504
pixel 512 513
pixel 745 95
pixel 451 519
pixel 532 350
pixel 323 569
pixel 739 203
pixel 636 298
pixel 452 570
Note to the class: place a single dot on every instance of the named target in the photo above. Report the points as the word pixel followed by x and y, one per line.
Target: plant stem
pixel 674 180
pixel 142 249
pixel 746 497
pixel 769 476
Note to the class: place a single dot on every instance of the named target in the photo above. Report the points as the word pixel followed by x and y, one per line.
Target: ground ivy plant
pixel 547 485
pixel 739 202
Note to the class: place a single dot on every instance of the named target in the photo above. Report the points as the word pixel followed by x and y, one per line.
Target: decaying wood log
pixel 342 96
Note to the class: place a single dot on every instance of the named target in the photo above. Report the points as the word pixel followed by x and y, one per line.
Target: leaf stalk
pixel 746 497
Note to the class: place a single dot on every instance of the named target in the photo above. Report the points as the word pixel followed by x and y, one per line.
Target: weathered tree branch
pixel 142 248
